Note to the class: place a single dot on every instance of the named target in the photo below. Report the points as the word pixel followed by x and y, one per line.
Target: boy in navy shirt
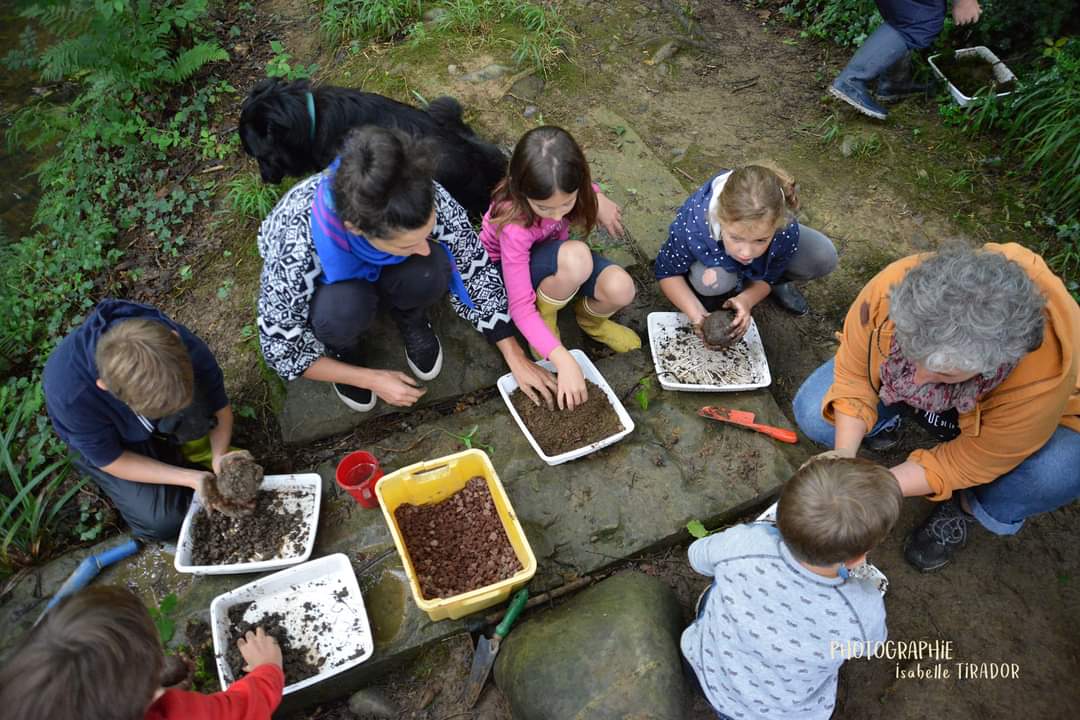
pixel 126 390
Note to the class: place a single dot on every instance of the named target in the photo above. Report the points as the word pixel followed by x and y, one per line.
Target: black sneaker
pixel 789 298
pixel 885 439
pixel 932 545
pixel 355 398
pixel 423 351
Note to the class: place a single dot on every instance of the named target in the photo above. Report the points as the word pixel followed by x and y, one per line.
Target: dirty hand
pixel 839 454
pixel 219 460
pixel 696 323
pixel 396 388
pixel 571 386
pixel 535 382
pixel 207 490
pixel 178 672
pixel 258 648
pixel 609 216
pixel 965 12
pixel 741 323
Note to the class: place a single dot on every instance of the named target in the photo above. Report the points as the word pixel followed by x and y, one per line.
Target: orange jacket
pixel 1008 424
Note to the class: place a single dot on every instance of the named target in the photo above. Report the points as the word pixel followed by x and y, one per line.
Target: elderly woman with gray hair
pixel 982 349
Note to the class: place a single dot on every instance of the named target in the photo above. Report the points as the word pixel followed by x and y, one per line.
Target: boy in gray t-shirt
pixel 773 628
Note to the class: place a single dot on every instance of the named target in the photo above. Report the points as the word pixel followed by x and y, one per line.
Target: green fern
pixel 190 61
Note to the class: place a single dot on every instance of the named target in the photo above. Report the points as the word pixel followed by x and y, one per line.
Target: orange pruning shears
pixel 746 419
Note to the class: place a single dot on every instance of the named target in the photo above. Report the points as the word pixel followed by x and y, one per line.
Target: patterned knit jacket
pixel 291 270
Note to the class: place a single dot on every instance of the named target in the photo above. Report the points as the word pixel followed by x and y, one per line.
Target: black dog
pixel 276 129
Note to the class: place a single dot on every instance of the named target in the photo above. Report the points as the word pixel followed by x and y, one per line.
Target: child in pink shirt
pixel 548 188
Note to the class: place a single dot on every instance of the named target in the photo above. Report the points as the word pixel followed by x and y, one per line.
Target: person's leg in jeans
pixel 711 285
pixel 807 408
pixel 815 258
pixel 152 511
pixel 1045 481
pixel 340 315
pixel 408 290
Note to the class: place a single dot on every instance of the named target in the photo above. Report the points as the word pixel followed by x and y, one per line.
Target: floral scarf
pixel 898 385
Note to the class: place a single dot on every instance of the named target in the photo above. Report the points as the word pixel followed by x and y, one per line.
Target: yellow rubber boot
pixel 617 337
pixel 549 311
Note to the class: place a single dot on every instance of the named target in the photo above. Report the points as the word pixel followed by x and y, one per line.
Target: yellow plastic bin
pixel 435 480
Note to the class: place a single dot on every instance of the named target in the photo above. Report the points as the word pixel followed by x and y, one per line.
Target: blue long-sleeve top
pixel 94 421
pixel 691 238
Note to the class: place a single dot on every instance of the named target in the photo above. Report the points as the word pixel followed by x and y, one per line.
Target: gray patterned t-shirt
pixel 761 646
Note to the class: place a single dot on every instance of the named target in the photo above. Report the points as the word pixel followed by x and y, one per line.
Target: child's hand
pixel 966 11
pixel 741 323
pixel 571 390
pixel 696 324
pixel 396 388
pixel 258 648
pixel 608 215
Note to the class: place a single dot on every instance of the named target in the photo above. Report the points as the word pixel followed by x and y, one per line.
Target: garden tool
pixel 88 569
pixel 488 648
pixel 746 419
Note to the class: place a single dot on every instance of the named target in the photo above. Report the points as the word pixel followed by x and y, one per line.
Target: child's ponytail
pixel 759 191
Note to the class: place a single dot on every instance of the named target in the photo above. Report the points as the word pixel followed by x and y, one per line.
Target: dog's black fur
pixel 275 129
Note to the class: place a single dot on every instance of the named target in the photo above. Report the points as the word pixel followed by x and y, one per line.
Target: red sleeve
pixel 253 697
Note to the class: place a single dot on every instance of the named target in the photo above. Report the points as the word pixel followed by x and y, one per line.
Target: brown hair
pixel 96 656
pixel 755 192
pixel 384 183
pixel 546 160
pixel 146 365
pixel 833 510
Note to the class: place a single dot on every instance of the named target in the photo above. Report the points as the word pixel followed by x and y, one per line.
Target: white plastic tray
pixel 309 483
pixel 507 385
pixel 325 588
pixel 664 324
pixel 866 571
pixel 1002 73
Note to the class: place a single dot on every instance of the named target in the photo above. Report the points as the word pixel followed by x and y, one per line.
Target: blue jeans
pixel 1048 479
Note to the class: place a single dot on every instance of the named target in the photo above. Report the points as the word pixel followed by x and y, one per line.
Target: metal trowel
pixel 488 648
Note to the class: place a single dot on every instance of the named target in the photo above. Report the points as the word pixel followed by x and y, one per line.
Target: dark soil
pixel 269 532
pixel 971 74
pixel 294 658
pixel 559 431
pixel 240 477
pixel 717 328
pixel 459 544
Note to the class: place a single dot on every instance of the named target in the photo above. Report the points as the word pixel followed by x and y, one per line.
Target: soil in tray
pixel 685 359
pixel 560 431
pixel 459 544
pixel 971 73
pixel 295 658
pixel 269 532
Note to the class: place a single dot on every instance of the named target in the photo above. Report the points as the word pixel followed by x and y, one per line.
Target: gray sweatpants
pixel 816 257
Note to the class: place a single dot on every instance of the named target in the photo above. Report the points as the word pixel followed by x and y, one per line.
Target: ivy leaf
pixel 696 529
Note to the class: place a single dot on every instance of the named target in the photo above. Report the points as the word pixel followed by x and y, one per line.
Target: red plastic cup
pixel 357 474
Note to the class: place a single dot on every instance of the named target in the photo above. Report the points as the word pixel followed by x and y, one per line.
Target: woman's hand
pixel 608 215
pixel 741 323
pixel 257 648
pixel 965 12
pixel 571 390
pixel 534 381
pixel 395 387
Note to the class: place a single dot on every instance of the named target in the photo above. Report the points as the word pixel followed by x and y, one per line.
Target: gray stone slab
pixel 312 411
pixel 639 182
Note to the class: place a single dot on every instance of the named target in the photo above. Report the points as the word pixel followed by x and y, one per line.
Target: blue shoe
pixel 858 98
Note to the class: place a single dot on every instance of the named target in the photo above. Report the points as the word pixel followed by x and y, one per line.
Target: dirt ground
pixel 880 191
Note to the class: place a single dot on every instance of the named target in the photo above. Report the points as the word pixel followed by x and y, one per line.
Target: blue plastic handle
pixel 90 567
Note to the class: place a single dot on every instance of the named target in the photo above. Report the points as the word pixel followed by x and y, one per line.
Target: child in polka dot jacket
pixel 784 610
pixel 736 241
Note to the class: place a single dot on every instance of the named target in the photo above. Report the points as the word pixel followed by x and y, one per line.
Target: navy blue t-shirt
pixel 690 239
pixel 93 421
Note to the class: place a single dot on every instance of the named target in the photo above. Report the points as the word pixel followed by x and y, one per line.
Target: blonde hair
pixel 146 366
pixel 756 192
pixel 836 509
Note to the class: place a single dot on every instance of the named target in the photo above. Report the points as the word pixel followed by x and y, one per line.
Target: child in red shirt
pixel 97 656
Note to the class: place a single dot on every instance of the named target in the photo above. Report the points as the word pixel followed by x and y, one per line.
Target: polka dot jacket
pixel 690 240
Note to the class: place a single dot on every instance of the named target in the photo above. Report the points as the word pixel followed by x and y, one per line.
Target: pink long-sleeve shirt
pixel 511 245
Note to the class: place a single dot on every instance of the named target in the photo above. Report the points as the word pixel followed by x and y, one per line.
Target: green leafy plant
pixel 32 487
pixel 162 615
pixel 251 197
pixel 281 65
pixel 344 20
pixel 697 529
pixel 844 22
pixel 91 521
pixel 644 386
pixel 468 440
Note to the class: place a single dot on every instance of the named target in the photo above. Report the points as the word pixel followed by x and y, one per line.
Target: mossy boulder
pixel 611 652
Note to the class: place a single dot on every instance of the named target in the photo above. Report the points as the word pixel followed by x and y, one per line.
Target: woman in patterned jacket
pixel 374 230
